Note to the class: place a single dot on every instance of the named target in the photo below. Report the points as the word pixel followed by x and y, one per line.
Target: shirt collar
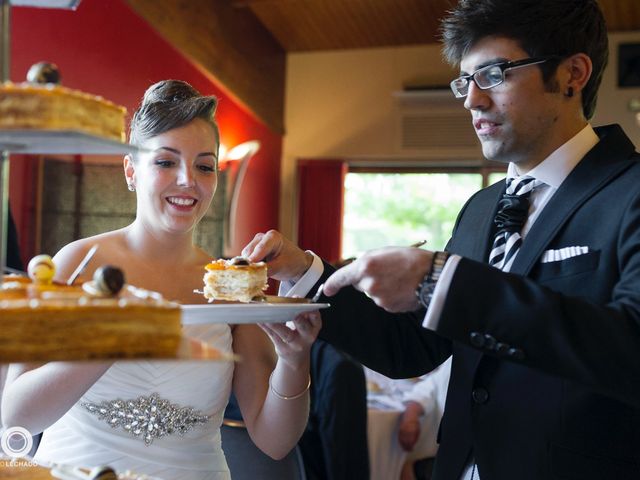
pixel 556 167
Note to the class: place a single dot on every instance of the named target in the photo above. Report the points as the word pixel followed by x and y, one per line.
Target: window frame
pixel 484 170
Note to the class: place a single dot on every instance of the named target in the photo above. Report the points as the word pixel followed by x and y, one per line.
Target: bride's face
pixel 175 177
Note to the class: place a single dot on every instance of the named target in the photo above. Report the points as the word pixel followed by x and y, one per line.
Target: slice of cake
pixel 236 279
pixel 42 321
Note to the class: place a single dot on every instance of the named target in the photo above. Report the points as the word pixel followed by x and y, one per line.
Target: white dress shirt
pixel 306 282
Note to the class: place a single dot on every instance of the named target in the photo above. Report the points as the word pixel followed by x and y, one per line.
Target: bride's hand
pixel 293 344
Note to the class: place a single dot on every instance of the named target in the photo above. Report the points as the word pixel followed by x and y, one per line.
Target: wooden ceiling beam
pixel 231 45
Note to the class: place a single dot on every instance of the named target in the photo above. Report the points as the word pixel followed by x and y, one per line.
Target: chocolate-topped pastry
pixel 239 261
pixel 108 280
pixel 236 279
pixel 50 321
pixel 43 72
pixel 103 473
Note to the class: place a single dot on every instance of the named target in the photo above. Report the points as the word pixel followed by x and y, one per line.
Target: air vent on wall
pixel 432 121
pixel 436 130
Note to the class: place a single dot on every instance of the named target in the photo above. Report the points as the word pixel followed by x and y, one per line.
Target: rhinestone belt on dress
pixel 148 417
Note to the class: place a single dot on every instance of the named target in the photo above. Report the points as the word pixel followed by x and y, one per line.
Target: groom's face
pixel 515 121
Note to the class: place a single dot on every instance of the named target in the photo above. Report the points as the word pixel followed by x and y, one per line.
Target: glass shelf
pixel 63 4
pixel 60 142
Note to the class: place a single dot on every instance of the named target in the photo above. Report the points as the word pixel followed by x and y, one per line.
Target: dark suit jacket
pixel 334 444
pixel 545 380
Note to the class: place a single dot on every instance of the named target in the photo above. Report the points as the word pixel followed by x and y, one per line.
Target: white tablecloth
pixel 386 456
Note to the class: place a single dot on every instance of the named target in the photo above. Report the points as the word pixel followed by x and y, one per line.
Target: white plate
pixel 237 313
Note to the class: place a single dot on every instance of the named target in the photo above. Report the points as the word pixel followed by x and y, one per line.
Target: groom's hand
pixel 285 260
pixel 389 276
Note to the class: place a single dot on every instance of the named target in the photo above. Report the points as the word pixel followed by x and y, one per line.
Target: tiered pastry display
pixel 43 105
pixel 64 472
pixel 45 321
pixel 19 471
pixel 236 279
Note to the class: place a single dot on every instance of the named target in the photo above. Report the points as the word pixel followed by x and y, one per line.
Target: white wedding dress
pixel 86 439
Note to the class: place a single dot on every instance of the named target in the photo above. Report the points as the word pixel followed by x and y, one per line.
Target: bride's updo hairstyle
pixel 171 104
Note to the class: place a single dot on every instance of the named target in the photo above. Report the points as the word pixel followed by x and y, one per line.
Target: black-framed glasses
pixel 491 75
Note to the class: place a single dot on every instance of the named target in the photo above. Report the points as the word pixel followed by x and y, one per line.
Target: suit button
pixel 477 340
pixel 480 395
pixel 501 348
pixel 489 342
pixel 516 354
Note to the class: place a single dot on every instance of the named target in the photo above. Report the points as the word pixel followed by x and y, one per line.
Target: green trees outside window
pixel 384 209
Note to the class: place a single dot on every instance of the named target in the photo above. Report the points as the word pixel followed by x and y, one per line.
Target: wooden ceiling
pixel 243 43
pixel 306 25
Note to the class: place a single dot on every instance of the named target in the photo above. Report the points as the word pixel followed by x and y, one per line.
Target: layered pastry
pixel 67 472
pixel 28 106
pixel 20 470
pixel 103 319
pixel 236 279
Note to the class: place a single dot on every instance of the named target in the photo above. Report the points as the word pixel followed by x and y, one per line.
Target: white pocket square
pixel 563 254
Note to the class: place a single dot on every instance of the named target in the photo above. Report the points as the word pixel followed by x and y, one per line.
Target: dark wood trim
pixel 228 43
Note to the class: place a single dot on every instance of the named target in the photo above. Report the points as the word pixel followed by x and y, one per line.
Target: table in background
pixel 386 456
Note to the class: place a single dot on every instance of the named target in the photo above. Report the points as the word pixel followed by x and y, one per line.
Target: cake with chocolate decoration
pixel 45 321
pixel 42 104
pixel 20 470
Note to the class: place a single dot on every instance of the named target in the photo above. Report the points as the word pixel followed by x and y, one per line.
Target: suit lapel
pixel 487 230
pixel 475 238
pixel 473 241
pixel 605 161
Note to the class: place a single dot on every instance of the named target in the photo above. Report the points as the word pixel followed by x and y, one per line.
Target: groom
pixel 538 294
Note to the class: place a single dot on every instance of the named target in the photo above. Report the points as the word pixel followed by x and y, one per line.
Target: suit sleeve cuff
pixel 432 318
pixel 304 285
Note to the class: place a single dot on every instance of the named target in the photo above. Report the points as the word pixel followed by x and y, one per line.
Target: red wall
pixel 104 48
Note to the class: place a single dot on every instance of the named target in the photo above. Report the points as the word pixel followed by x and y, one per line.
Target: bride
pixel 174 177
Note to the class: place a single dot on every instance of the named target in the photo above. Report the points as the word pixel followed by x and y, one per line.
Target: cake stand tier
pixel 60 142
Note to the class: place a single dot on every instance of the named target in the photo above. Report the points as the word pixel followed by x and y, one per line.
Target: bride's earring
pixel 131 187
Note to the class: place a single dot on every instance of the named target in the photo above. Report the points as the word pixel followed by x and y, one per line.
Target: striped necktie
pixel 513 209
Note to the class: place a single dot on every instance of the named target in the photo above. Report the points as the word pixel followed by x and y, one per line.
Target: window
pixel 496 177
pixel 396 208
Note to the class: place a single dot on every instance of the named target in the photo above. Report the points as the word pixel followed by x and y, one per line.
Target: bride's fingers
pixel 280 332
pixel 306 328
pixel 316 320
pixel 308 324
pixel 273 336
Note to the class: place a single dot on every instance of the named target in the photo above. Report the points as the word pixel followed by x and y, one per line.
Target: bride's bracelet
pixel 288 397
